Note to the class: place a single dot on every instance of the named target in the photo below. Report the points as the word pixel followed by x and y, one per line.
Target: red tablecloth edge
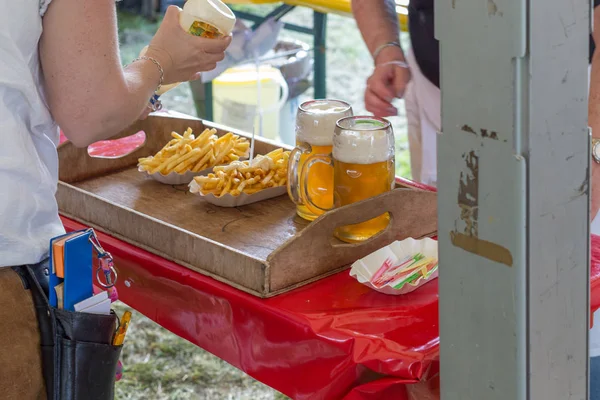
pixel 416 185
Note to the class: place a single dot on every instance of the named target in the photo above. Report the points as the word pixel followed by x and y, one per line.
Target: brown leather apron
pixel 21 376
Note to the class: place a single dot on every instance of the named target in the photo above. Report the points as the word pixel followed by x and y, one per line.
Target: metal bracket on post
pixel 512 183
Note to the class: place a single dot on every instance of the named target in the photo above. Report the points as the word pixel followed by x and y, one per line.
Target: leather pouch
pixel 79 361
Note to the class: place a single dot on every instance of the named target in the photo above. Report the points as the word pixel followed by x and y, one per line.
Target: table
pixel 329 340
pixel 333 339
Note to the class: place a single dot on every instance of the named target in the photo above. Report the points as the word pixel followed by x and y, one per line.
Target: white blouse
pixel 28 137
pixel 44 6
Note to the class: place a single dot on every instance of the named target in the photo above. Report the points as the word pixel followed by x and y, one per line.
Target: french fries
pixel 244 176
pixel 189 153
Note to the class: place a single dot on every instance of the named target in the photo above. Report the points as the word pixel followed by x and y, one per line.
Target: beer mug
pixel 363 160
pixel 315 123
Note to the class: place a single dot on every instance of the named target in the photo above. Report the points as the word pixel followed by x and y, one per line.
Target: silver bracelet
pixel 400 64
pixel 160 69
pixel 380 48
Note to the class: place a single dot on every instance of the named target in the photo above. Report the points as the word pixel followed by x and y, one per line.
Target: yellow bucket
pixel 237 95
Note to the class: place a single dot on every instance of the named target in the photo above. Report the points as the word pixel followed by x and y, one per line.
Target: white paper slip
pixel 100 308
pixel 91 301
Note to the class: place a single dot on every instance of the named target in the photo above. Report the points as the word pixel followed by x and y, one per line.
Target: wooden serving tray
pixel 262 248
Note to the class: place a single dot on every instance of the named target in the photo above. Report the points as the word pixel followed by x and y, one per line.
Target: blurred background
pixel 158 364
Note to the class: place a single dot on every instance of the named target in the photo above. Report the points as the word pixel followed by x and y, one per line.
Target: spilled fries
pixel 187 153
pixel 264 172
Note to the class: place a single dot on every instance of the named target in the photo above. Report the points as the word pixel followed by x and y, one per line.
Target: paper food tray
pixel 243 199
pixel 174 178
pixel 364 268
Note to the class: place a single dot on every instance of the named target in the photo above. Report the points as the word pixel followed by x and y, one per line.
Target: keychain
pixel 107 268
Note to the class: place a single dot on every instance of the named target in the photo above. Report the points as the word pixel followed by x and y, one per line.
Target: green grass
pixel 160 365
pixel 128 21
pixel 261 10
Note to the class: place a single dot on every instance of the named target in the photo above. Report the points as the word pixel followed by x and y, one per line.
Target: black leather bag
pixel 80 362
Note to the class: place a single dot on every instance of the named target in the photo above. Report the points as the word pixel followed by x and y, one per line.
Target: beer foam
pixel 363 147
pixel 316 120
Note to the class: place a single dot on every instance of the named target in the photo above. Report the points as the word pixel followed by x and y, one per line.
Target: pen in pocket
pixel 122 330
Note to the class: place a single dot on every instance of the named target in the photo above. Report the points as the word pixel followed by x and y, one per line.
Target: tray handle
pixel 75 164
pixel 413 213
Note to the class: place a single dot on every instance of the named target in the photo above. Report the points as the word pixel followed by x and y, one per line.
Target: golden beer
pixel 319 182
pixel 363 164
pixel 356 182
pixel 315 124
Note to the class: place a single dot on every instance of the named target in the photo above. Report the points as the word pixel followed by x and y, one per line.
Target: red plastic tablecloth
pixel 333 339
pixel 323 341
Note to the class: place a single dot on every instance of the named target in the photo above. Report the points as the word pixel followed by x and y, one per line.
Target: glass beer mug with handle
pixel 363 160
pixel 315 124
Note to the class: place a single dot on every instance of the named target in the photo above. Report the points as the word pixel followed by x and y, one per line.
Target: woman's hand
pixel 181 54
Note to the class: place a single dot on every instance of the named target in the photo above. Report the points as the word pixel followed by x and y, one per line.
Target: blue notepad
pixel 78 274
pixel 54 280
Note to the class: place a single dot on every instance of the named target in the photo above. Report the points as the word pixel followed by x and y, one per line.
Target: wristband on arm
pixel 380 48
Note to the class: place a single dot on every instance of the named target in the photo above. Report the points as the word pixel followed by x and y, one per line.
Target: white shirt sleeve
pixel 44 6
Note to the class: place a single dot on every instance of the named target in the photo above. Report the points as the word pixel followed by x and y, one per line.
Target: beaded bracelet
pixel 154 103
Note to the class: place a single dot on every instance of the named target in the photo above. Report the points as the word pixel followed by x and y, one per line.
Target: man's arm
pixel 378 24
